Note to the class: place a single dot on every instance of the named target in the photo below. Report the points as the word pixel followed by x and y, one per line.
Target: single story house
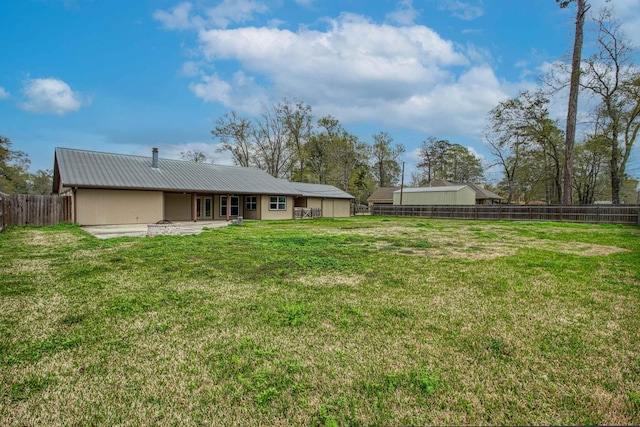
pixel 109 188
pixel 427 196
pixel 382 196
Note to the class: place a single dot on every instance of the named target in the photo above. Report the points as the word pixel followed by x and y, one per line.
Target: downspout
pixel 402 184
pixel 228 207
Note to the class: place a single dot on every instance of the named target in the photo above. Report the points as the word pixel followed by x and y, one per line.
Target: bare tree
pixel 275 141
pixel 195 156
pixel 235 134
pixel 386 168
pixel 298 121
pixel 319 148
pixel 507 155
pixel 614 81
pixel 521 128
pixel 273 152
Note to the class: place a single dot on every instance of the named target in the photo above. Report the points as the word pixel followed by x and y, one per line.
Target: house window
pixel 277 203
pixel 251 203
pixel 235 206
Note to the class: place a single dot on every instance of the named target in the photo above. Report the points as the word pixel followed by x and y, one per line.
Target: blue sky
pixel 126 76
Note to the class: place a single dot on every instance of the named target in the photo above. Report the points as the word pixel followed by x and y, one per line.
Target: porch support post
pixel 228 206
pixel 194 206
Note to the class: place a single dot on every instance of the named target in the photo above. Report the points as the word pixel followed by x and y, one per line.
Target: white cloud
pixel 50 96
pixel 241 93
pixel 353 69
pixel 459 105
pixel 235 11
pixel 476 154
pixel 463 10
pixel 177 19
pixel 222 15
pixel 3 93
pixel 626 11
pixel 212 89
pixel 191 69
pixel 405 14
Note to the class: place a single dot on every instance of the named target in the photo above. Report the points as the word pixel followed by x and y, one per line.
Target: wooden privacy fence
pixel 2 215
pixel 596 214
pixel 28 209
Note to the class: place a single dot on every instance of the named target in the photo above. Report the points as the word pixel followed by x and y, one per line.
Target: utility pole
pixel 402 184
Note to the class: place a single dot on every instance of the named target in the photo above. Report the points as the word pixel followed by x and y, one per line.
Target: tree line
pixel 542 162
pixel 14 172
pixel 539 161
pixel 287 141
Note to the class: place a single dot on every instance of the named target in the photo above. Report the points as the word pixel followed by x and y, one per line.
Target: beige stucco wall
pixel 265 213
pixel 331 208
pixel 464 196
pixel 341 208
pixel 327 208
pixel 104 207
pixel 177 207
pixel 314 203
pixel 252 214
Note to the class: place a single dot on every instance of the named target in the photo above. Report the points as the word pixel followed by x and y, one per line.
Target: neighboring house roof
pixel 91 169
pixel 481 193
pixel 432 189
pixel 383 194
pixel 320 190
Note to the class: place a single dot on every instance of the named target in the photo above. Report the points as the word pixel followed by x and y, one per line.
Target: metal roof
pixel 432 189
pixel 320 190
pixel 483 193
pixel 91 169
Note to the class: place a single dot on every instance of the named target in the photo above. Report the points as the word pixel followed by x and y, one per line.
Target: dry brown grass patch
pixel 47 239
pixel 329 281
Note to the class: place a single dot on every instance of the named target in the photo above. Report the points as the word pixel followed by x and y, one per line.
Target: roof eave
pixel 174 190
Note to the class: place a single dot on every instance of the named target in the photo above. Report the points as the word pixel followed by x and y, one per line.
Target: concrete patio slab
pixel 140 230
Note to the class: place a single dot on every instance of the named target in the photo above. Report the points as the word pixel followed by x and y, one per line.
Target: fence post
pixel 2 212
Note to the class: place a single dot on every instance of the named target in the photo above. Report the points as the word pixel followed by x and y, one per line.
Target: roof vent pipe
pixel 154 158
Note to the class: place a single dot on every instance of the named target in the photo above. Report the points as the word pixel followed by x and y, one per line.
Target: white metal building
pixel 426 196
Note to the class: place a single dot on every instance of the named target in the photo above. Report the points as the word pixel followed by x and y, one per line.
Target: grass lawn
pixel 360 321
